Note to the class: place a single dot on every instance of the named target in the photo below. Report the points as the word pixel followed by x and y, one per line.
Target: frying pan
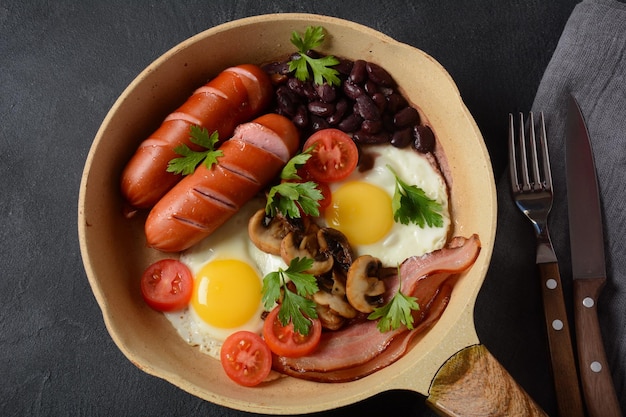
pixel 447 364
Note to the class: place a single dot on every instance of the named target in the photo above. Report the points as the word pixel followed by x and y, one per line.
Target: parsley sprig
pixel 396 312
pixel 320 67
pixel 188 161
pixel 295 306
pixel 410 204
pixel 291 196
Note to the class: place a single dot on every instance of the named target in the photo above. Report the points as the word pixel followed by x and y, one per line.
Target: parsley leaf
pixel 190 159
pixel 295 307
pixel 396 312
pixel 288 197
pixel 290 170
pixel 411 205
pixel 320 67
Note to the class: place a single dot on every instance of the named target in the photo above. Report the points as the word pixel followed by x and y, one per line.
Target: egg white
pixel 230 241
pixel 403 241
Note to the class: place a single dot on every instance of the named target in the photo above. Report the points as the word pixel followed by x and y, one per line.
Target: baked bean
pixel 372 126
pixel 408 116
pixel 380 100
pixel 364 138
pixel 281 68
pixel 352 90
pixel 358 74
pixel 423 139
pixel 344 67
pixel 366 108
pixel 321 108
pixel 309 91
pixel 402 138
pixel 350 123
pixel 301 118
pixel 318 123
pixel 340 111
pixel 370 87
pixel 379 75
pixel 326 92
pixel 296 86
pixel 287 103
pixel 395 102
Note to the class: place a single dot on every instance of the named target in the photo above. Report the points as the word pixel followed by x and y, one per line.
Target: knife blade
pixel 588 265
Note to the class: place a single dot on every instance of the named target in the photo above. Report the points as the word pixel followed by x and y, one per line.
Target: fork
pixel 531 185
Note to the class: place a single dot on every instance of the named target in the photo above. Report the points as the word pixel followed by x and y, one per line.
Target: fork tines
pixel 524 158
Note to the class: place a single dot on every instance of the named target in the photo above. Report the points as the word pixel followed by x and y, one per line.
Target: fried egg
pixel 361 206
pixel 227 287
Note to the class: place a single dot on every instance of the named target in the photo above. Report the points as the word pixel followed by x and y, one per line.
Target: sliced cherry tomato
pixel 285 341
pixel 334 156
pixel 166 285
pixel 246 358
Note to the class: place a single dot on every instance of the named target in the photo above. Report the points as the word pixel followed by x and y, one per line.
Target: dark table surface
pixel 64 63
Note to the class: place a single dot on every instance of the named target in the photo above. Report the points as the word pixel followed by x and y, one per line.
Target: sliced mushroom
pixel 329 318
pixel 336 303
pixel 364 287
pixel 267 232
pixel 300 245
pixel 336 244
pixel 339 284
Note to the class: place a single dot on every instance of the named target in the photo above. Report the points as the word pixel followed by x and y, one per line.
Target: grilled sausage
pixel 235 96
pixel 206 199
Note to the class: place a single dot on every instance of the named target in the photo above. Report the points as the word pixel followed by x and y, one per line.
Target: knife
pixel 588 268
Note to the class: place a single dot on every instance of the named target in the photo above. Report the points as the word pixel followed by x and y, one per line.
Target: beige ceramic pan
pixel 448 364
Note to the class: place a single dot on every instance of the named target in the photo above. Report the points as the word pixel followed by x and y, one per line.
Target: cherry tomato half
pixel 334 157
pixel 285 341
pixel 166 285
pixel 246 358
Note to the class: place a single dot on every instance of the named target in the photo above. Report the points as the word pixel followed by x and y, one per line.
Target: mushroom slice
pixel 336 244
pixel 267 232
pixel 299 245
pixel 339 284
pixel 363 285
pixel 336 303
pixel 330 319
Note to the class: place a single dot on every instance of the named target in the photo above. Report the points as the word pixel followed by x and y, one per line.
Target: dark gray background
pixel 62 66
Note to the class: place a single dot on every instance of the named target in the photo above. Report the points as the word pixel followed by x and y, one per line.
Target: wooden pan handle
pixel 473 383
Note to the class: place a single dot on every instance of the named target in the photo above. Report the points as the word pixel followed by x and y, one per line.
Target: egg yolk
pixel 226 293
pixel 361 211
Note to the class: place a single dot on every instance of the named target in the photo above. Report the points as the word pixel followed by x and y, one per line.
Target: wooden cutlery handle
pixel 474 383
pixel 568 395
pixel 600 396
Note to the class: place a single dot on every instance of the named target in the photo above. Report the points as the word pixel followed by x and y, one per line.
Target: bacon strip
pixel 360 349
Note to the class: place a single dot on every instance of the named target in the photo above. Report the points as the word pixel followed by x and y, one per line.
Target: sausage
pixel 235 96
pixel 206 199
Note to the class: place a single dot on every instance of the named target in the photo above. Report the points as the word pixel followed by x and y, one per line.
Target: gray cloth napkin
pixel 590 63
